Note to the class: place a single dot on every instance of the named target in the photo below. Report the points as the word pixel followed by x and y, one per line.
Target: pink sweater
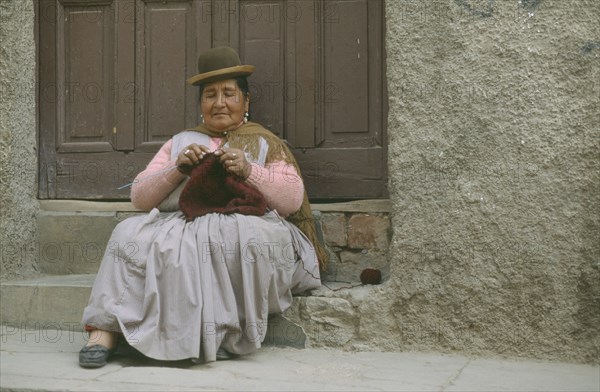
pixel 279 182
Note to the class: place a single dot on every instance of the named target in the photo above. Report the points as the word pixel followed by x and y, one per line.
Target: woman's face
pixel 223 105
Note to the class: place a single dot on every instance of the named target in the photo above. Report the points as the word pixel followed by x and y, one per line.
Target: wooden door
pixel 112 87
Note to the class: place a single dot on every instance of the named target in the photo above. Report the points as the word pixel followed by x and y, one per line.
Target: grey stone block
pixel 46 303
pixel 328 322
pixel 334 228
pixel 282 332
pixel 73 242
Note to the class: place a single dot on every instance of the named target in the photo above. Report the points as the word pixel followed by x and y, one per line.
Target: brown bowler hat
pixel 219 63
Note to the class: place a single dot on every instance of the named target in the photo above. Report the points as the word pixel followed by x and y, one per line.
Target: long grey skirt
pixel 178 289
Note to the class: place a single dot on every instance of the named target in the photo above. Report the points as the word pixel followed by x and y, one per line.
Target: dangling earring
pixel 202 118
pixel 245 117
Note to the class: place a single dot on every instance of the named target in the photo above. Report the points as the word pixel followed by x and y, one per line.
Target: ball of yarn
pixel 370 276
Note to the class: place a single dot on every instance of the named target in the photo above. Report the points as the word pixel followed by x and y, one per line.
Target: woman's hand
pixel 234 161
pixel 190 156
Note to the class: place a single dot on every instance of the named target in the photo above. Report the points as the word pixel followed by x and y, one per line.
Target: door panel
pixel 334 171
pixel 349 158
pixel 125 87
pixel 85 70
pixel 165 50
pixel 345 67
pixel 262 45
pixel 86 98
pixel 118 69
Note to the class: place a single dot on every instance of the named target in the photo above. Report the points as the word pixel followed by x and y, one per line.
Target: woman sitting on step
pixel 201 283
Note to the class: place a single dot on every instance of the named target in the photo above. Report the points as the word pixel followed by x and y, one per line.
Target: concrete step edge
pixel 70 280
pixel 369 205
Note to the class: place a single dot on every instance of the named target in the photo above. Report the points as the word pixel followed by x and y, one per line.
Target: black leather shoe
pixel 224 355
pixel 94 356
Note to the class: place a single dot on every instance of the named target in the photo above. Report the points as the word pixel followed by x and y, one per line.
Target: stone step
pixel 73 235
pixel 50 303
pixel 47 302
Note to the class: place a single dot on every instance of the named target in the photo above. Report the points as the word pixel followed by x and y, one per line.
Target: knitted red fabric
pixel 212 189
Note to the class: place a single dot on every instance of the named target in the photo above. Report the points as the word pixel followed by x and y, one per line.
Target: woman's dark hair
pixel 242 83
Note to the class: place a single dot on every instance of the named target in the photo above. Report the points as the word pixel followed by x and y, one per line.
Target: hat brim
pixel 220 74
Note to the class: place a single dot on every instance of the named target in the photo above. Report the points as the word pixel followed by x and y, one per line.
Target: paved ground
pixel 46 360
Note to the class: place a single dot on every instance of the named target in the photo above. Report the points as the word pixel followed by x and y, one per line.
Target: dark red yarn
pixel 212 189
pixel 370 276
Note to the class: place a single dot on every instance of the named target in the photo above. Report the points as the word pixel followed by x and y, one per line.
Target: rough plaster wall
pixel 494 160
pixel 18 156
